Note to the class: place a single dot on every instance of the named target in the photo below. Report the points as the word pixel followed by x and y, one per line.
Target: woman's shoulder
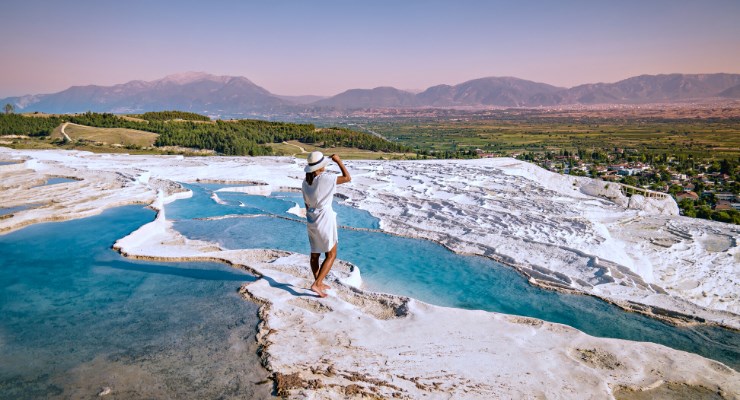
pixel 327 177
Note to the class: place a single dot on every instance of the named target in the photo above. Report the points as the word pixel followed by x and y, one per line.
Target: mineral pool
pixel 79 319
pixel 429 272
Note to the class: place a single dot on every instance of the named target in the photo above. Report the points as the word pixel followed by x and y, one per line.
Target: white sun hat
pixel 316 161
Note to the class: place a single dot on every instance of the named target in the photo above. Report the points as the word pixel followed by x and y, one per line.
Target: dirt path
pixel 303 151
pixel 66 137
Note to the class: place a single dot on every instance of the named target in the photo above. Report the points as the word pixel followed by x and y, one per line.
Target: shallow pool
pixel 56 180
pixel 11 210
pixel 77 317
pixel 431 273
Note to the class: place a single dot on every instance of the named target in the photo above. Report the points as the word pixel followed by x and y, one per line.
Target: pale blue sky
pixel 325 47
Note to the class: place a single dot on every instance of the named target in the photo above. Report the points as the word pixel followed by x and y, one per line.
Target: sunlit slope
pixel 110 136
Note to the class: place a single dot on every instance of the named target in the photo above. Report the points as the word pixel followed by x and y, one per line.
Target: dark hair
pixel 310 176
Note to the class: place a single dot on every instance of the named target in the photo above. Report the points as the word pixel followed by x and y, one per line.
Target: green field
pixel 703 139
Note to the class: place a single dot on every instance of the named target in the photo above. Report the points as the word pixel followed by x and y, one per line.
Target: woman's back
pixel 321 192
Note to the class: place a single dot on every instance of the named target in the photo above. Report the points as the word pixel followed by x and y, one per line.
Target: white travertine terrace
pixel 356 342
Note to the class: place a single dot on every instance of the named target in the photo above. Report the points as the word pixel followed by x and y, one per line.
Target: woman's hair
pixel 310 176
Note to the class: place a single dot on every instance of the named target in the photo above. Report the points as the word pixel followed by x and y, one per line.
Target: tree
pixel 9 108
pixel 675 189
pixel 629 180
pixel 704 212
pixel 725 167
pixel 687 207
pixel 699 186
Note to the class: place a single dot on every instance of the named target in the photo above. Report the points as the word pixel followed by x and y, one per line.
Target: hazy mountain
pixel 233 96
pixel 514 92
pixel 307 99
pixel 380 97
pixel 653 89
pixel 492 91
pixel 191 91
pixel 732 93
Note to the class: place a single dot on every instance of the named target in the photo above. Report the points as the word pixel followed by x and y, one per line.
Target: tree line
pixel 342 137
pixel 171 115
pixel 234 137
pixel 16 124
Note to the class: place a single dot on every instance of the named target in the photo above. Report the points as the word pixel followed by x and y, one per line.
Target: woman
pixel 318 192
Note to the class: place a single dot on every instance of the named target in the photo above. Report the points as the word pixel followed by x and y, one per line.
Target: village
pixel 708 189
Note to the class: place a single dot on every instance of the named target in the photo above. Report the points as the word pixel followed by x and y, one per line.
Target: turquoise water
pixel 201 205
pixel 10 210
pixel 15 209
pixel 77 317
pixel 429 272
pixel 57 180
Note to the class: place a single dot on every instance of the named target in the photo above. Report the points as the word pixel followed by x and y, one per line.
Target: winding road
pixel 66 137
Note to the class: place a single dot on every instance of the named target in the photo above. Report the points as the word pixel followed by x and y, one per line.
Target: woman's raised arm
pixel 345 174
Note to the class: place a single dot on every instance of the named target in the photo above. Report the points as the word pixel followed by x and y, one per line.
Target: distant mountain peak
pixel 184 78
pixel 186 91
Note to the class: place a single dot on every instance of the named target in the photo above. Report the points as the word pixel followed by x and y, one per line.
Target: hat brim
pixel 322 164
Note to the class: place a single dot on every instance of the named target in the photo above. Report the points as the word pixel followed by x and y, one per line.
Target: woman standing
pixel 318 193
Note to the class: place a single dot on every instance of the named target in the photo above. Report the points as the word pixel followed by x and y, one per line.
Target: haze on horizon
pixel 325 47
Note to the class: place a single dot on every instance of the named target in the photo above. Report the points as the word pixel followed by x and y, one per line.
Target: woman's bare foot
pixel 324 286
pixel 316 287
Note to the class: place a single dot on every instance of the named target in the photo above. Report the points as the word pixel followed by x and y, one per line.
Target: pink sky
pixel 326 47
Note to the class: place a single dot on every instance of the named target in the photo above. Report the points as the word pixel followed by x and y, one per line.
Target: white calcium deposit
pixel 355 343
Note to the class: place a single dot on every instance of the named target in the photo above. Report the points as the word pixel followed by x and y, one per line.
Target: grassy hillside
pixel 169 132
pixel 110 136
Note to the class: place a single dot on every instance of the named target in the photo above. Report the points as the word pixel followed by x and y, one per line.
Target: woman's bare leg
pixel 315 268
pixel 317 286
pixel 315 264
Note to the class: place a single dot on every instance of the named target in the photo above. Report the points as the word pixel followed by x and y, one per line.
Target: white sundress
pixel 322 220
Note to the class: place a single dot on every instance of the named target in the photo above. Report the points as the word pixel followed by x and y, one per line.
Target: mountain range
pixel 234 95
